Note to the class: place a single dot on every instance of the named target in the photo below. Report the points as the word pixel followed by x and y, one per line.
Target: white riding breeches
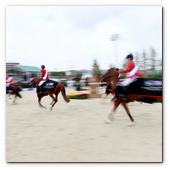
pixel 41 82
pixel 127 81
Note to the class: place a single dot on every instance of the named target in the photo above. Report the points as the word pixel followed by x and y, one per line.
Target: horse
pixel 108 89
pixel 60 88
pixel 13 90
pixel 111 75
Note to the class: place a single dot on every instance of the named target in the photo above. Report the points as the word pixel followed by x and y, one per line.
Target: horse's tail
pixel 64 93
pixel 17 92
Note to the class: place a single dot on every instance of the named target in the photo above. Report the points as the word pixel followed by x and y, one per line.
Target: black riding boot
pixel 124 92
pixel 40 93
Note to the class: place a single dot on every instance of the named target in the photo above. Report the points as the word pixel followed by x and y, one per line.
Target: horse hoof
pixel 130 124
pixel 107 120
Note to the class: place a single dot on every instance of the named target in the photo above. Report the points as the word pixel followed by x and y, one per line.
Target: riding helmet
pixel 129 56
pixel 43 66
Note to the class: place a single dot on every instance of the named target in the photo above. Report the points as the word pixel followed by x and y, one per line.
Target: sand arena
pixel 76 131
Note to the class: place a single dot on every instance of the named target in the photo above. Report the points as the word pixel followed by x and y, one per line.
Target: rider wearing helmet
pixel 132 72
pixel 44 77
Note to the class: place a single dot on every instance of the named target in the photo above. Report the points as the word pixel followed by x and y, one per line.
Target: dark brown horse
pixel 14 91
pixel 60 88
pixel 111 75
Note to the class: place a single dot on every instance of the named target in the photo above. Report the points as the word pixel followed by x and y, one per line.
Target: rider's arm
pixel 129 68
pixel 42 73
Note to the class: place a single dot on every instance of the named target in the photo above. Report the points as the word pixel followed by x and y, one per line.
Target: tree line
pixel 150 66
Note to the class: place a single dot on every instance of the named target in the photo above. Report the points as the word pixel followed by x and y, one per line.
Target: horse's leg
pixel 53 102
pixel 110 117
pixel 128 112
pixel 39 101
pixel 15 97
pixel 8 96
pixel 51 95
pixel 55 99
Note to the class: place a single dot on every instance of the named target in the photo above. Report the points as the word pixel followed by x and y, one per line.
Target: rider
pixel 132 71
pixel 44 77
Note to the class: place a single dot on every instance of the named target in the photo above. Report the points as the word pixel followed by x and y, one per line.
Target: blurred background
pixel 72 41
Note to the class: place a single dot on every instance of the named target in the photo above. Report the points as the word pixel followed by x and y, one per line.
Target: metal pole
pixel 116 58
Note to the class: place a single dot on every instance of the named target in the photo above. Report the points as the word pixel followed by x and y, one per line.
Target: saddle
pixel 48 86
pixel 10 88
pixel 146 87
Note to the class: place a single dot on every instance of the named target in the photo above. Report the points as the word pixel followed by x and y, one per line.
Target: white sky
pixel 71 37
pixel 27 34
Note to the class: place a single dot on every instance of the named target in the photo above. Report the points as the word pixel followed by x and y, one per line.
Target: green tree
pixel 78 75
pixel 153 54
pixel 14 70
pixel 136 58
pixel 160 63
pixel 96 70
pixel 60 73
pixel 111 66
pixel 144 64
pixel 124 64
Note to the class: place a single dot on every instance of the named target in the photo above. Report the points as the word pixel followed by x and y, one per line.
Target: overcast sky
pixel 71 37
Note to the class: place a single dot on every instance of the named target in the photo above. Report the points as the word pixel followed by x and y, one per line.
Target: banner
pixel 9 79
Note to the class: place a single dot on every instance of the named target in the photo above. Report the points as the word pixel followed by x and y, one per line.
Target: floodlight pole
pixel 116 58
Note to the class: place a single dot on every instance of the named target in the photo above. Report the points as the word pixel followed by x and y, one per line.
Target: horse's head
pixel 111 73
pixel 34 81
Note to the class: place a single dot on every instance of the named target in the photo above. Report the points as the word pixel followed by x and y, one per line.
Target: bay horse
pixel 14 91
pixel 60 88
pixel 108 89
pixel 111 75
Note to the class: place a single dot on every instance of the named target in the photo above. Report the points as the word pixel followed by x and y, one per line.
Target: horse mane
pixel 111 69
pixel 36 78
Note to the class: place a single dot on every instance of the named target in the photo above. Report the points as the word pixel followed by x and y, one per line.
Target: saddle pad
pixel 10 87
pixel 48 86
pixel 145 86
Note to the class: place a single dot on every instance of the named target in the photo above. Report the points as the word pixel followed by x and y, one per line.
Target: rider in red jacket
pixel 132 71
pixel 44 77
pixel 130 66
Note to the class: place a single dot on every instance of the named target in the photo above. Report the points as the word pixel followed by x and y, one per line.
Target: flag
pixel 9 79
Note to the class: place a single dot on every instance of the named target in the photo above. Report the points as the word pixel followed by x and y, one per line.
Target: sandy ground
pixel 76 131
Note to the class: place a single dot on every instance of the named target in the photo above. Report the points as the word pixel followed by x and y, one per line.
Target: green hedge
pixel 25 85
pixel 79 98
pixel 65 84
pixel 78 86
pixel 155 76
pixel 29 86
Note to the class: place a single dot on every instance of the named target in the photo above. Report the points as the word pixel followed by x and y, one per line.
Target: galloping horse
pixel 59 87
pixel 111 75
pixel 13 90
